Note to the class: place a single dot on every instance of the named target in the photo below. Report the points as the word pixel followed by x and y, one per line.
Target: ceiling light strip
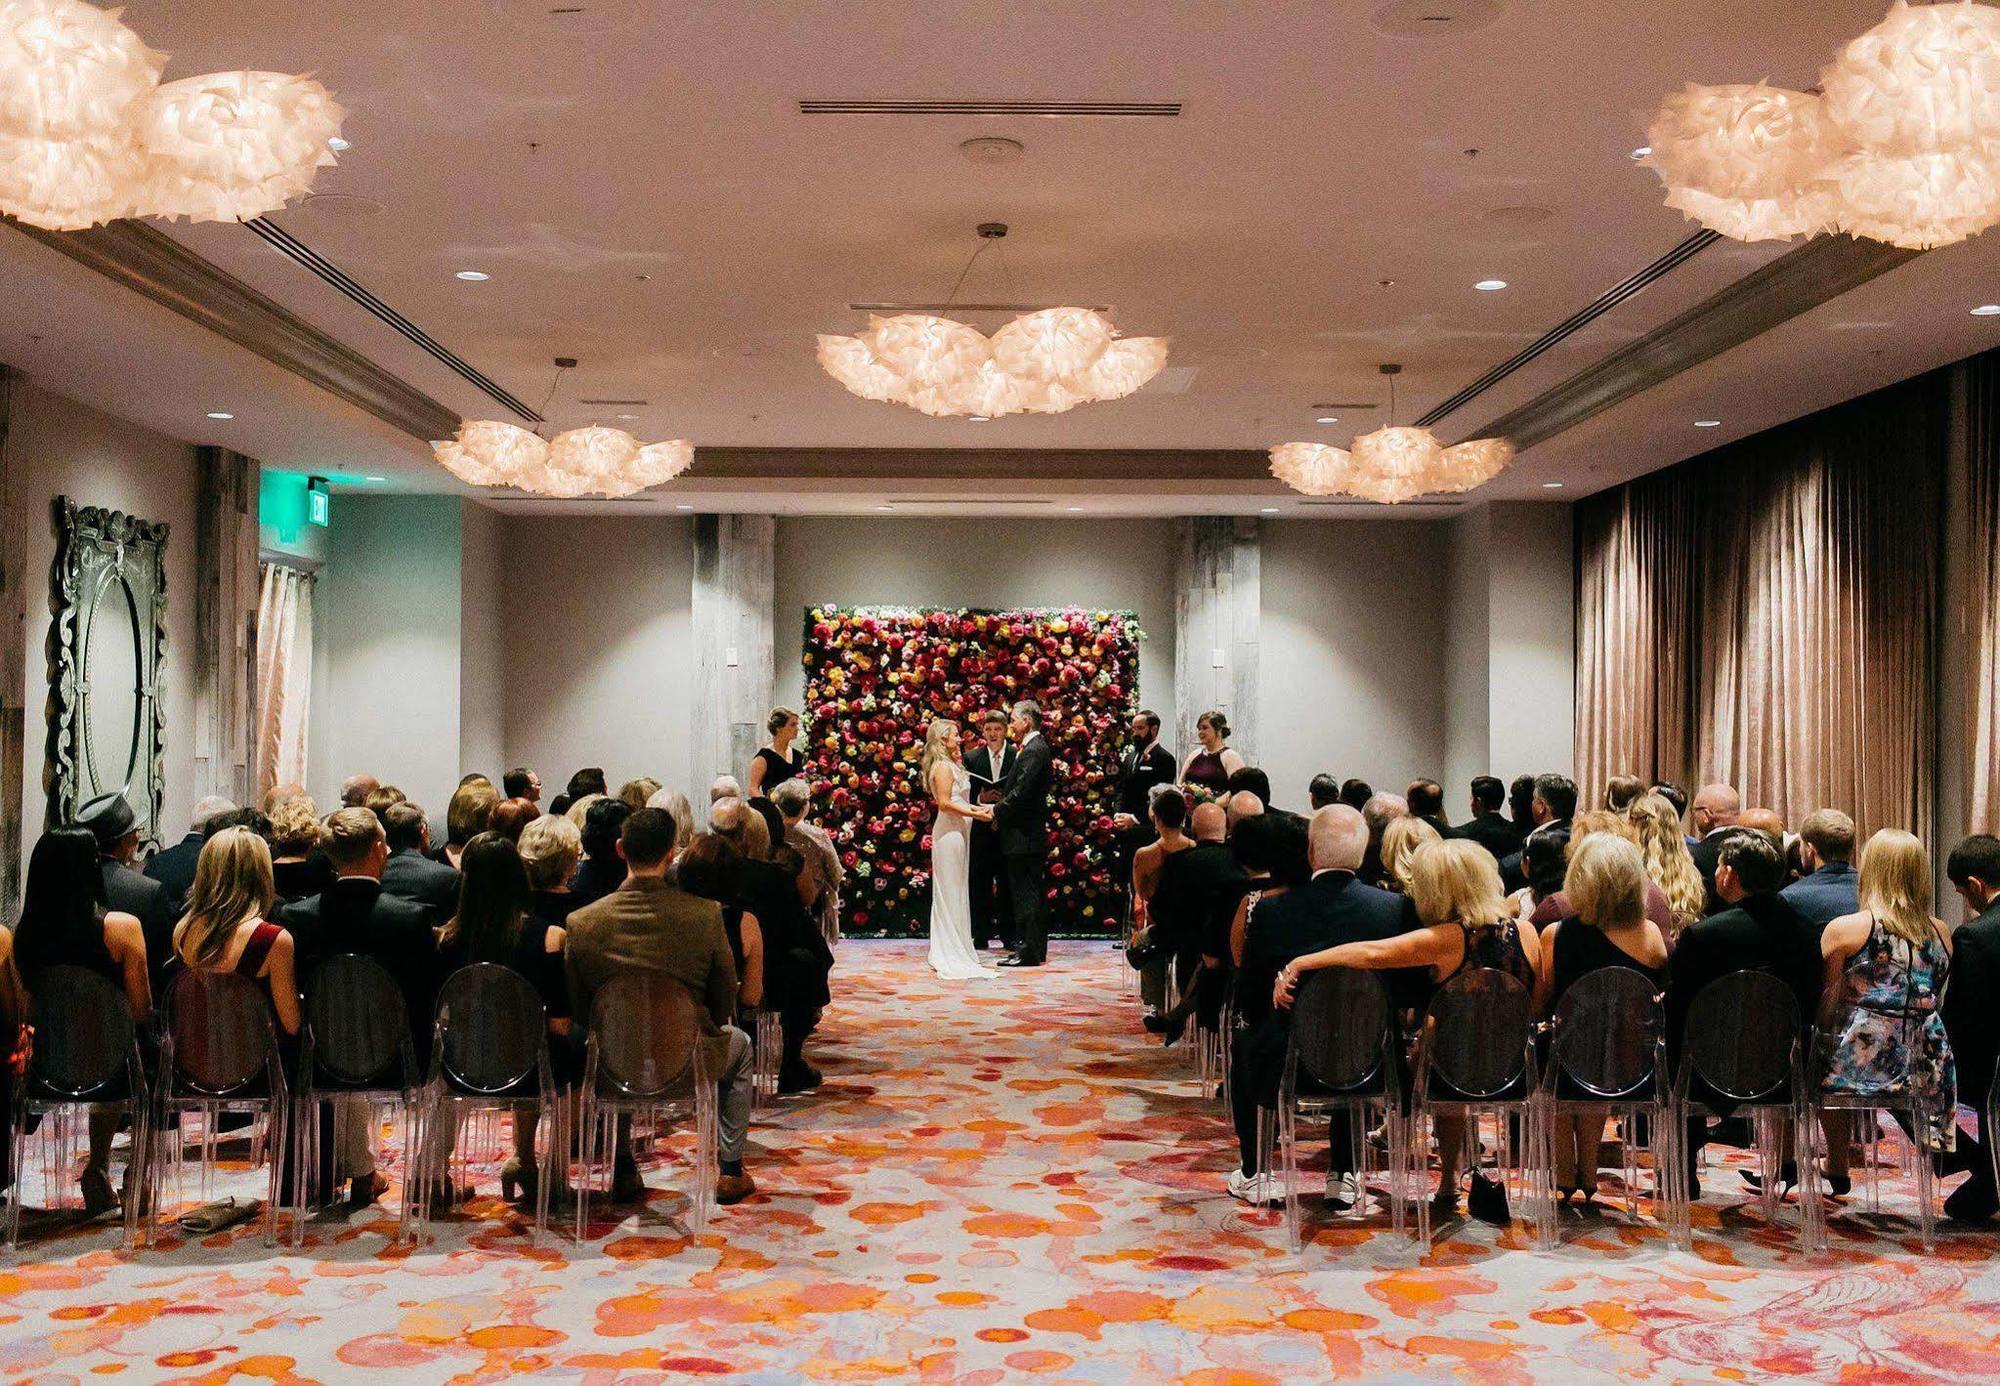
pixel 1575 322
pixel 1101 109
pixel 296 250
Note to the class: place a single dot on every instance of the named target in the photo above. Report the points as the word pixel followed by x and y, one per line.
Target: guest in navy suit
pixel 1829 888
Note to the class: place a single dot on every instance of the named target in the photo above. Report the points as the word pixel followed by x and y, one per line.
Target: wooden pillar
pixel 735 671
pixel 1218 601
pixel 225 618
pixel 13 665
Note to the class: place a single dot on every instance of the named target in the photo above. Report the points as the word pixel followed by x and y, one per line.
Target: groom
pixel 1021 819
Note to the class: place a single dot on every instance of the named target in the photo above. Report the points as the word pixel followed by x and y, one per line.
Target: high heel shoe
pixel 514 1175
pixel 1170 1027
pixel 99 1197
pixel 1788 1179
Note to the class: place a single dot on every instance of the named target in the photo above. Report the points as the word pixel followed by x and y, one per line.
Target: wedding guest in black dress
pixel 602 871
pixel 713 869
pixel 64 923
pixel 550 849
pixel 298 867
pixel 776 762
pixel 1209 769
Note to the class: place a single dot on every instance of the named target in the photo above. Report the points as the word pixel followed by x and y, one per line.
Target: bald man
pixel 1190 891
pixel 1765 821
pixel 1335 907
pixel 1243 804
pixel 1714 811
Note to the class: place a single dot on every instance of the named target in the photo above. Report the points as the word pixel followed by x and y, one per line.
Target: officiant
pixel 989 765
pixel 1145 765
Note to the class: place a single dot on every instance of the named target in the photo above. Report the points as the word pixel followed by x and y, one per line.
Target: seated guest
pixel 1521 803
pixel 1401 840
pixel 1970 1017
pixel 1209 768
pixel 1378 813
pixel 724 787
pixel 1674 795
pixel 174 867
pixel 586 782
pixel 493 922
pixel 1601 823
pixel 713 870
pixel 1545 862
pixel 411 874
pixel 1621 792
pixel 384 798
pixel 298 867
pixel 1250 780
pixel 465 817
pixel 777 761
pixel 1489 827
pixel 1714 813
pixel 1188 893
pixel 1334 907
pixel 109 818
pixel 550 849
pixel 774 825
pixel 1656 824
pixel 1356 794
pixel 580 808
pixel 1465 925
pixel 796 957
pixel 1885 971
pixel 681 811
pixel 636 792
pixel 1754 931
pixel 793 799
pixel 1552 806
pixel 1168 814
pixel 1324 790
pixel 510 816
pixel 1426 800
pixel 64 922
pixel 602 871
pixel 356 915
pixel 1829 886
pixel 651 926
pixel 1604 925
pixel 1765 821
pixel 1242 804
pixel 355 789
pixel 522 783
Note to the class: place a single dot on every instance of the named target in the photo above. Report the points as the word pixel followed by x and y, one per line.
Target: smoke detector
pixel 991 149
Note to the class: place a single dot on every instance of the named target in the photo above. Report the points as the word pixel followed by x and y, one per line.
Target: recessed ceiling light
pixel 1987 310
pixel 219 414
pixel 1644 151
pixel 1075 509
pixel 1552 486
pixel 1327 418
pixel 1270 510
pixel 683 507
pixel 1490 286
pixel 473 276
pixel 1708 423
pixel 885 507
pixel 628 416
pixel 978 418
pixel 338 145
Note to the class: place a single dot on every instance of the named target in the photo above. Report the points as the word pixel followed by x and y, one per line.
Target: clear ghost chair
pixel 1340 1056
pixel 355 1050
pixel 1608 1049
pixel 645 1058
pixel 768 1038
pixel 219 1054
pixel 1744 1042
pixel 489 1053
pixel 1476 1056
pixel 1922 1129
pixel 86 1059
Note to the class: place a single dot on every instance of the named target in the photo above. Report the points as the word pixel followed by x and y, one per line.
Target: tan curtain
pixel 1978 625
pixel 1764 616
pixel 284 676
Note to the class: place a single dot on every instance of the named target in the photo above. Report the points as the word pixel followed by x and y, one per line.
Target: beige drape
pixel 284 676
pixel 1764 616
pixel 1976 630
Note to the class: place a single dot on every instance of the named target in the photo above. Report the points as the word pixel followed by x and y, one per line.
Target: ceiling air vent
pixel 1055 109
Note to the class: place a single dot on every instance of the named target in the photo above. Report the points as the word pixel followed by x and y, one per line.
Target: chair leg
pixel 1288 1145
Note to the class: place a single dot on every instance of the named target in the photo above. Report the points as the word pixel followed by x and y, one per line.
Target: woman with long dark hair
pixel 64 922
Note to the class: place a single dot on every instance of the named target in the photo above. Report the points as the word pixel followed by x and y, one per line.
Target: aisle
pixel 999 1180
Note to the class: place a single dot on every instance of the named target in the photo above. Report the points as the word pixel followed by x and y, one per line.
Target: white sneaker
pixel 1258 1190
pixel 1343 1192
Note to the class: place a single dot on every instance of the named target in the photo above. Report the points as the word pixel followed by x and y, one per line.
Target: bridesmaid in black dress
pixel 1211 767
pixel 777 762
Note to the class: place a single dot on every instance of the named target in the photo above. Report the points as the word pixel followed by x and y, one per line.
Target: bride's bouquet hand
pixel 981 813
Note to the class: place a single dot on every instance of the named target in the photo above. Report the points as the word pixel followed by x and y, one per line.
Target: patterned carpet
pixel 1000 1181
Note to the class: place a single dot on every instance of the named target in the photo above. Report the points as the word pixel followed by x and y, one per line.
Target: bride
pixel 952 953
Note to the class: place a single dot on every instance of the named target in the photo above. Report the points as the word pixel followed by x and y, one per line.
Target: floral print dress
pixel 1893 1038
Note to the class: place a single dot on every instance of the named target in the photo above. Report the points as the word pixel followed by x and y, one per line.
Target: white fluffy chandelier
pixel 1043 362
pixel 1392 464
pixel 88 133
pixel 1901 144
pixel 577 462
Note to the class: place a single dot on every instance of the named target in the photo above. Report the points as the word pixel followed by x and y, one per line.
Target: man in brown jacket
pixel 648 925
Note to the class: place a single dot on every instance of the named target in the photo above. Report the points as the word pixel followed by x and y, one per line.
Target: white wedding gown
pixel 952 953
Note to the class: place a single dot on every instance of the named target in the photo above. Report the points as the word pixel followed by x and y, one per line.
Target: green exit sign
pixel 318 508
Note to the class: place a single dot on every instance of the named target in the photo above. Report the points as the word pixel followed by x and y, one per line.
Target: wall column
pixel 225 622
pixel 1218 604
pixel 735 673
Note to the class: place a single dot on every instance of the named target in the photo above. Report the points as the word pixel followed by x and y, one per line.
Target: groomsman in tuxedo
pixel 1021 818
pixel 992 910
pixel 1146 765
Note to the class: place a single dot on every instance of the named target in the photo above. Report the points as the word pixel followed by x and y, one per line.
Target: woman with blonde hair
pixel 298 868
pixel 1886 966
pixel 1552 909
pixel 225 928
pixel 1669 864
pixel 638 792
pixel 943 767
pixel 1467 925
pixel 1606 926
pixel 681 811
pixel 1400 843
pixel 777 762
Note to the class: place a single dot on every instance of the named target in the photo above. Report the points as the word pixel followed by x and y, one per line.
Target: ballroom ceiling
pixel 638 182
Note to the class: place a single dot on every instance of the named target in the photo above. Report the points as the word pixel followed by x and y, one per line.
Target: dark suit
pixel 1496 832
pixel 1143 770
pixel 1761 933
pixel 129 892
pixel 412 876
pixel 1707 854
pixel 355 915
pixel 1021 820
pixel 1826 894
pixel 1972 1021
pixel 1333 908
pixel 992 910
pixel 796 956
pixel 174 867
pixel 1514 866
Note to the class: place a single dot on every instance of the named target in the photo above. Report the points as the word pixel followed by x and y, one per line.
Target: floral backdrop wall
pixel 876 676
